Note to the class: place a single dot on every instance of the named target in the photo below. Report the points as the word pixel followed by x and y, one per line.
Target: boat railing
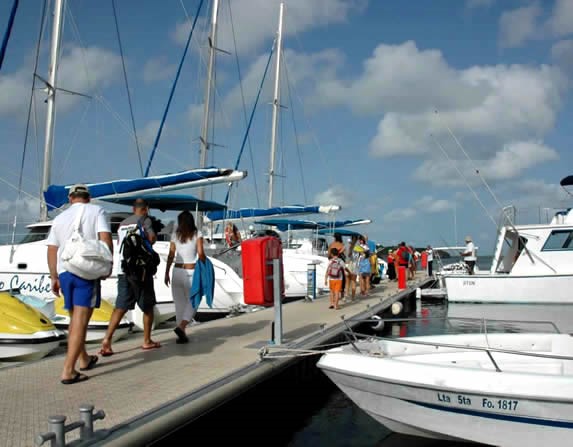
pixel 354 337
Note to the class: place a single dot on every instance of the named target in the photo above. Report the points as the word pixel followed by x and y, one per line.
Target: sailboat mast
pixel 211 64
pixel 276 105
pixel 51 101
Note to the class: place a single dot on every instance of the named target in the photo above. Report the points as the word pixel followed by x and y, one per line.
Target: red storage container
pixel 257 255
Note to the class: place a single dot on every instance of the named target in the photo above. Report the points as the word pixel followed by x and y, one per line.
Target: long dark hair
pixel 186 228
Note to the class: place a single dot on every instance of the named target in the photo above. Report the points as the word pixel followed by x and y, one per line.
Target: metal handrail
pixel 480 320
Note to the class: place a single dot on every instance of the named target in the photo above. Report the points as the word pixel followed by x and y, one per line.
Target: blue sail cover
pixel 243 213
pixel 293 224
pixel 57 195
pixel 169 202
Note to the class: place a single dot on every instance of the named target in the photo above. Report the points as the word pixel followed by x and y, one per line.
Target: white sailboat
pixel 23 265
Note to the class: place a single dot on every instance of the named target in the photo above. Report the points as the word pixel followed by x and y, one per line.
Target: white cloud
pixel 157 69
pixel 561 21
pixel 518 25
pixel 535 200
pixel 335 195
pixel 256 21
pixel 562 55
pixel 303 69
pixel 405 85
pixel 508 163
pixel 400 214
pixel 148 133
pixel 80 70
pixel 430 205
pixel 27 209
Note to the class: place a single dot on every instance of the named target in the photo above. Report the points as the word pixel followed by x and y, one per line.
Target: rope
pixel 30 104
pixel 244 104
pixel 295 131
pixel 172 91
pixel 127 86
pixel 252 115
pixel 8 31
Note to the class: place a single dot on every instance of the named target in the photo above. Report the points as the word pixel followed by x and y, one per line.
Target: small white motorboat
pixel 25 333
pixel 500 389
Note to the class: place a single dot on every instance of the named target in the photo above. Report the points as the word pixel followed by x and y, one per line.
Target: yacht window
pixel 35 234
pixel 559 240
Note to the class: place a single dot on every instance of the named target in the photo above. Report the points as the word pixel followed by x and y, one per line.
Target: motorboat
pixel 25 333
pixel 531 264
pixel 508 389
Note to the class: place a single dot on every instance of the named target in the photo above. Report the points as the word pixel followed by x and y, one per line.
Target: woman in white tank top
pixel 185 248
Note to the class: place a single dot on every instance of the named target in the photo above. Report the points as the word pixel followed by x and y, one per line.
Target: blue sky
pixel 365 79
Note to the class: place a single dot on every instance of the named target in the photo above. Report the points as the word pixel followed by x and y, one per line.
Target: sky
pixel 425 117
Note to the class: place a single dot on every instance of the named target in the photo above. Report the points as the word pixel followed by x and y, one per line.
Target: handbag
pixel 88 259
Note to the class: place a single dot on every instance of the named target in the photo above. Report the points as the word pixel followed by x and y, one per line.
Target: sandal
pixel 77 378
pixel 153 345
pixel 181 336
pixel 106 352
pixel 91 363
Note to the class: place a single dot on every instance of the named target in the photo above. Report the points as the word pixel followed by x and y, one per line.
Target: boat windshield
pixel 35 234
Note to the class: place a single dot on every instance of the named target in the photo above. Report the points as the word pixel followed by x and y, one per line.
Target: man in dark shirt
pixel 133 290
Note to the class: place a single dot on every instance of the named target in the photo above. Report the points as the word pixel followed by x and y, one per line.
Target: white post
pixel 205 128
pixel 278 334
pixel 51 101
pixel 276 105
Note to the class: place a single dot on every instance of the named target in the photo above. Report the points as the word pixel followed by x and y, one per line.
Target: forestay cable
pixel 127 86
pixel 172 91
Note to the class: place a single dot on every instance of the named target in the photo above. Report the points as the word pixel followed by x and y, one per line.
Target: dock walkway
pixel 143 392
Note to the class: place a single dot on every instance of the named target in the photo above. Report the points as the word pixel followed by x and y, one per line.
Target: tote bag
pixel 88 259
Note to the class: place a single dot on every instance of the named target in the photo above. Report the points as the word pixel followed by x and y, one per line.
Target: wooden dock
pixel 149 393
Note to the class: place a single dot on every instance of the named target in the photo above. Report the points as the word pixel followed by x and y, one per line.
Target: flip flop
pixel 153 345
pixel 181 336
pixel 77 378
pixel 106 352
pixel 91 363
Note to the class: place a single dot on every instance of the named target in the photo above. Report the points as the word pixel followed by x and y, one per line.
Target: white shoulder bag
pixel 88 259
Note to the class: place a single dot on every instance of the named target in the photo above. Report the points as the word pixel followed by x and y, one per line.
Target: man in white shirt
pixel 430 259
pixel 132 291
pixel 469 255
pixel 80 295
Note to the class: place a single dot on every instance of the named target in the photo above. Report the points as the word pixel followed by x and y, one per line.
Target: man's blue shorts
pixel 79 292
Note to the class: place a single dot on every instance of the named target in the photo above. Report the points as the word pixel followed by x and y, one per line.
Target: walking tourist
pixel 81 295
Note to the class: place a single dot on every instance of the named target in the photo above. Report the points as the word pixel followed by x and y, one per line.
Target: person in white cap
pixel 81 295
pixel 469 255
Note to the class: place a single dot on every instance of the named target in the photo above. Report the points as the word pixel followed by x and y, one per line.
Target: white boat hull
pixel 20 348
pixel 502 288
pixel 453 402
pixel 29 273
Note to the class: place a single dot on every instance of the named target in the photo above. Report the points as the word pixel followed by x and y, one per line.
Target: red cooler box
pixel 257 255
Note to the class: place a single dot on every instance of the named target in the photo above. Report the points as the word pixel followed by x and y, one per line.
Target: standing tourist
pixel 469 255
pixel 81 296
pixel 134 275
pixel 186 248
pixel 430 259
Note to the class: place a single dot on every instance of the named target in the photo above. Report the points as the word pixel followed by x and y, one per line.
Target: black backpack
pixel 139 260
